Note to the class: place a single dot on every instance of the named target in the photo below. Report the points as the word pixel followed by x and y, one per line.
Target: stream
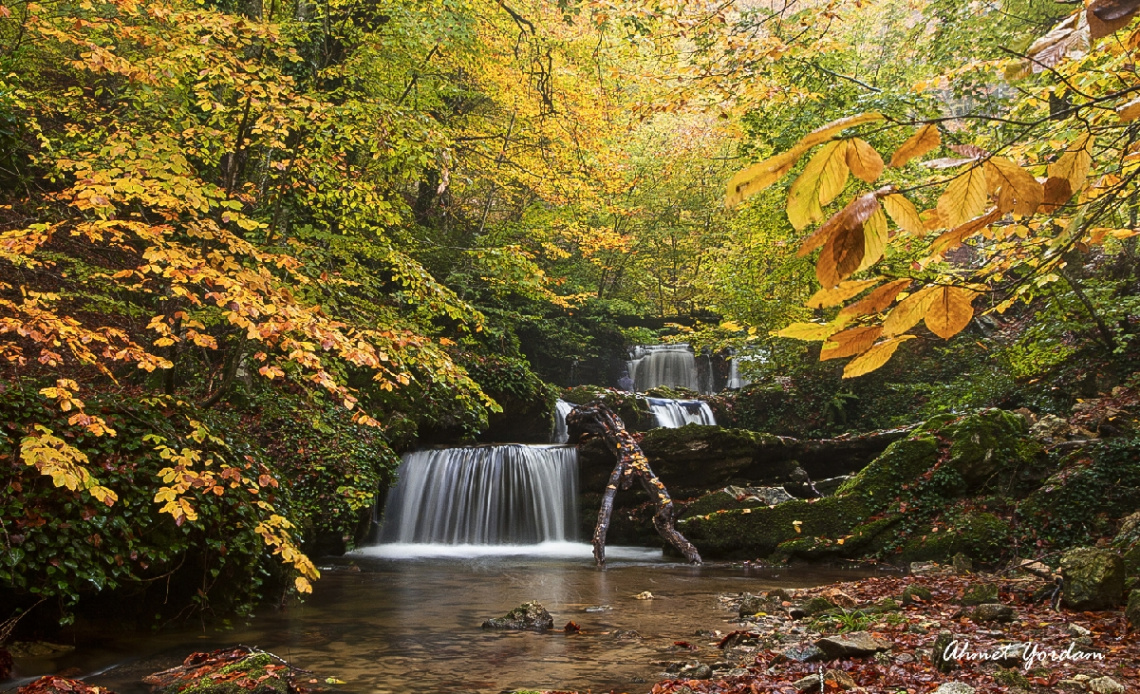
pixel 399 618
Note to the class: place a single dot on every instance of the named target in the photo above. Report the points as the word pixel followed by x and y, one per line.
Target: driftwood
pixel 596 420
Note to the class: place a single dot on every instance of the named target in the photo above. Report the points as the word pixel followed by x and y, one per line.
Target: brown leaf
pixel 973 152
pixel 924 140
pixel 1105 17
pixel 850 342
pixel 1128 112
pixel 876 301
pixel 841 257
pixel 854 214
pixel 864 161
pixel 954 238
pixel 964 198
pixel 903 212
pixel 950 311
pixel 833 297
pixel 1057 193
pixel 1070 37
pixel 874 358
pixel 874 239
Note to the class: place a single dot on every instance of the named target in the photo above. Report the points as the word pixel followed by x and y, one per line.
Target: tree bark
pixel 596 420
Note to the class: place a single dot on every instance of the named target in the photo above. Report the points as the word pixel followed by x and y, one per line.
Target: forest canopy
pixel 225 221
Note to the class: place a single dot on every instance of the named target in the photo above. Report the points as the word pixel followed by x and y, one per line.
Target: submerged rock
pixel 529 615
pixel 1094 579
pixel 227 671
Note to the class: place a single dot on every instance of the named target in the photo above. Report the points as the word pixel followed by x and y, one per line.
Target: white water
pixel 663 365
pixel 511 494
pixel 735 382
pixel 561 409
pixel 549 550
pixel 674 414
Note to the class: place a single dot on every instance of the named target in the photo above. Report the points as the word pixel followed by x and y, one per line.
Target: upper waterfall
pixel 664 365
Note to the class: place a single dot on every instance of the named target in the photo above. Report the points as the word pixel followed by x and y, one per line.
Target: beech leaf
pixel 850 342
pixel 864 161
pixel 904 214
pixel 950 311
pixel 924 140
pixel 875 357
pixel 833 297
pixel 965 197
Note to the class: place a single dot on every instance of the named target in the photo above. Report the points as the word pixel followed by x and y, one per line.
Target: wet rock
pixel 755 604
pixel 913 591
pixel 37 649
pixel 809 653
pixel 529 615
pixel 812 682
pixel 598 608
pixel 925 568
pixel 993 612
pixel 61 685
pixel 778 594
pixel 938 654
pixel 981 593
pixel 628 635
pixel 857 644
pixel 839 598
pixel 699 671
pixel 1078 631
pixel 962 564
pixel 1094 579
pixel 225 671
pixel 1105 685
pixel 954 688
pixel 1132 612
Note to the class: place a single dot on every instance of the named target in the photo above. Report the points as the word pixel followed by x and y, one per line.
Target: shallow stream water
pixel 400 618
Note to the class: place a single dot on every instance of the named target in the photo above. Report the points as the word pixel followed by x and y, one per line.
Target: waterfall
pixel 663 365
pixel 561 409
pixel 484 495
pixel 735 382
pixel 677 413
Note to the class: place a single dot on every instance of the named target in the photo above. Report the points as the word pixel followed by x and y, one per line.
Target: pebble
pixel 1105 685
pixel 954 688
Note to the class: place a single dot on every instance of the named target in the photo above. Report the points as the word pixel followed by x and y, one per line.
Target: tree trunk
pixel 596 420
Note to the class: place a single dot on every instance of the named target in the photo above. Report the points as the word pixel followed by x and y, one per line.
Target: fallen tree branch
pixel 596 420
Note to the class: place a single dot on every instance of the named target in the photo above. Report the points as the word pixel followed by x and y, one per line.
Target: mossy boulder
pixel 633 410
pixel 527 616
pixel 902 462
pixel 981 535
pixel 980 594
pixel 1132 611
pixel 701 456
pixel 1094 579
pixel 916 593
pixel 232 671
pixel 1083 501
pixel 989 445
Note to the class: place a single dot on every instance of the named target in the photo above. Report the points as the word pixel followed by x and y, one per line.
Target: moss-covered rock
pixel 990 444
pixel 700 456
pixel 916 593
pixel 1132 611
pixel 232 671
pixel 902 462
pixel 1094 579
pixel 981 535
pixel 633 410
pixel 980 594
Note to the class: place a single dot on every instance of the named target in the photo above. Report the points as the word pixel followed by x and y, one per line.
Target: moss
pixel 718 501
pixel 633 410
pixel 760 531
pixel 254 677
pixel 981 594
pixel 990 444
pixel 913 591
pixel 980 535
pixel 899 464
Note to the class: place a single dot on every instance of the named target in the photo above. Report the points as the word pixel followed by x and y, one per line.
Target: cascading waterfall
pixel 735 382
pixel 561 434
pixel 677 413
pixel 511 494
pixel 663 365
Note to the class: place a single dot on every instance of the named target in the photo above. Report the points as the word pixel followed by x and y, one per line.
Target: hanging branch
pixel 595 419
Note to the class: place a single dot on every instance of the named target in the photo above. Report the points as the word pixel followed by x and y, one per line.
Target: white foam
pixel 552 550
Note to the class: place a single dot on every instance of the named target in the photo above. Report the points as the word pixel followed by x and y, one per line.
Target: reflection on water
pixel 402 618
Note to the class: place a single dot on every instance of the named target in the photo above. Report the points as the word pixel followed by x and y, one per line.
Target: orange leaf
pixel 850 342
pixel 875 357
pixel 833 297
pixel 863 160
pixel 950 311
pixel 876 301
pixel 923 141
pixel 909 312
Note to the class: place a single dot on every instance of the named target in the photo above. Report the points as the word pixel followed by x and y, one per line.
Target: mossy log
pixel 596 420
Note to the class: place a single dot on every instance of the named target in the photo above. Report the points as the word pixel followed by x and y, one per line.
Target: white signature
pixel 1029 652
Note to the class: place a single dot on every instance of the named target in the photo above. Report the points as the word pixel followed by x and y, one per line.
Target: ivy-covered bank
pixel 980 485
pixel 242 488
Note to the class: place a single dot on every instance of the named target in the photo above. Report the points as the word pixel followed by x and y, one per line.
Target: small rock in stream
pixel 529 615
pixel 857 644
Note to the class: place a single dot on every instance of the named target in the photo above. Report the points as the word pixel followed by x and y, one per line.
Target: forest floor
pixel 1015 641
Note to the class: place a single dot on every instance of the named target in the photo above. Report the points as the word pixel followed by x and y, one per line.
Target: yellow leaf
pixel 806 331
pixel 950 311
pixel 303 585
pixel 874 239
pixel 863 160
pixel 908 312
pixel 833 297
pixel 904 214
pixel 965 197
pixel 1073 165
pixel 850 342
pixel 875 357
pixel 923 141
pixel 1020 191
pixel 821 180
pixel 763 174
